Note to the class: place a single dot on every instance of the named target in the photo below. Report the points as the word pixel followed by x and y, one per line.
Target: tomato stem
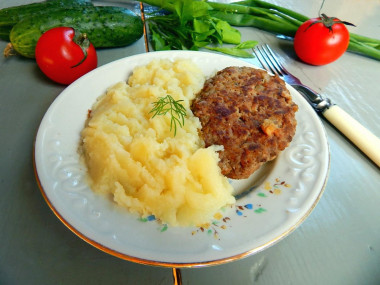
pixel 328 22
pixel 84 43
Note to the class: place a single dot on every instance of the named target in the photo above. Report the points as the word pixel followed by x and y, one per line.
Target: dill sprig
pixel 176 110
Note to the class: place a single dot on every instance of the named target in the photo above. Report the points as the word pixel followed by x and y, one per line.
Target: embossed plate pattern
pixel 270 204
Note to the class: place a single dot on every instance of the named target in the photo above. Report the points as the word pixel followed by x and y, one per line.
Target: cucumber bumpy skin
pixel 105 26
pixel 12 15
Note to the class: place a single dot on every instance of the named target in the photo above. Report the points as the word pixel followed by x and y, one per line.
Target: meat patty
pixel 250 113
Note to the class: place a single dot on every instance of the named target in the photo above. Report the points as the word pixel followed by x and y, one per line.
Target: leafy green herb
pixel 176 110
pixel 190 27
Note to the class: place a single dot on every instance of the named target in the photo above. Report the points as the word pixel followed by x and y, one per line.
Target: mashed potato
pixel 137 159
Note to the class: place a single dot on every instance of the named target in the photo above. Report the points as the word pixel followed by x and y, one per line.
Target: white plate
pixel 274 201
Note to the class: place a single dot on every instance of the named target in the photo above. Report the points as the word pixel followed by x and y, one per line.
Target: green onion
pixel 263 4
pixel 248 20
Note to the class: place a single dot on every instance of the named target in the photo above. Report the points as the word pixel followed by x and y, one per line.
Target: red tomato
pixel 320 41
pixel 60 56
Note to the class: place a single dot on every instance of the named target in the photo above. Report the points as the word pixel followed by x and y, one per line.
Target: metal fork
pixel 268 59
pixel 352 129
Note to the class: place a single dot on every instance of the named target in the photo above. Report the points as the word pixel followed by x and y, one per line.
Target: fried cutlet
pixel 250 113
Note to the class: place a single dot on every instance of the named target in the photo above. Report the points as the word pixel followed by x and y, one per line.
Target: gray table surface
pixel 339 243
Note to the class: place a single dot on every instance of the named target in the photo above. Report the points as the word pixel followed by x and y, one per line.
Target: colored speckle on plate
pixel 248 206
pixel 260 210
pixel 218 216
pixel 151 218
pixel 220 219
pixel 275 188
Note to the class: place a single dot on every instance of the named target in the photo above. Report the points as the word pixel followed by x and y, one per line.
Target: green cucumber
pixel 105 26
pixel 12 15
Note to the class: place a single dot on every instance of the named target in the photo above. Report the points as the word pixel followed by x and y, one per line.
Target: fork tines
pixel 268 59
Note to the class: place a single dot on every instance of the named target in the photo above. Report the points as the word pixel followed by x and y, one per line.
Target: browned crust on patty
pixel 250 113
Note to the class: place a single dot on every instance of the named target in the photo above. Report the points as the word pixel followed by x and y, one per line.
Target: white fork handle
pixel 354 131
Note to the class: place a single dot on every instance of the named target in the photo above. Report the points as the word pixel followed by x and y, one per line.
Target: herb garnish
pixel 176 110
